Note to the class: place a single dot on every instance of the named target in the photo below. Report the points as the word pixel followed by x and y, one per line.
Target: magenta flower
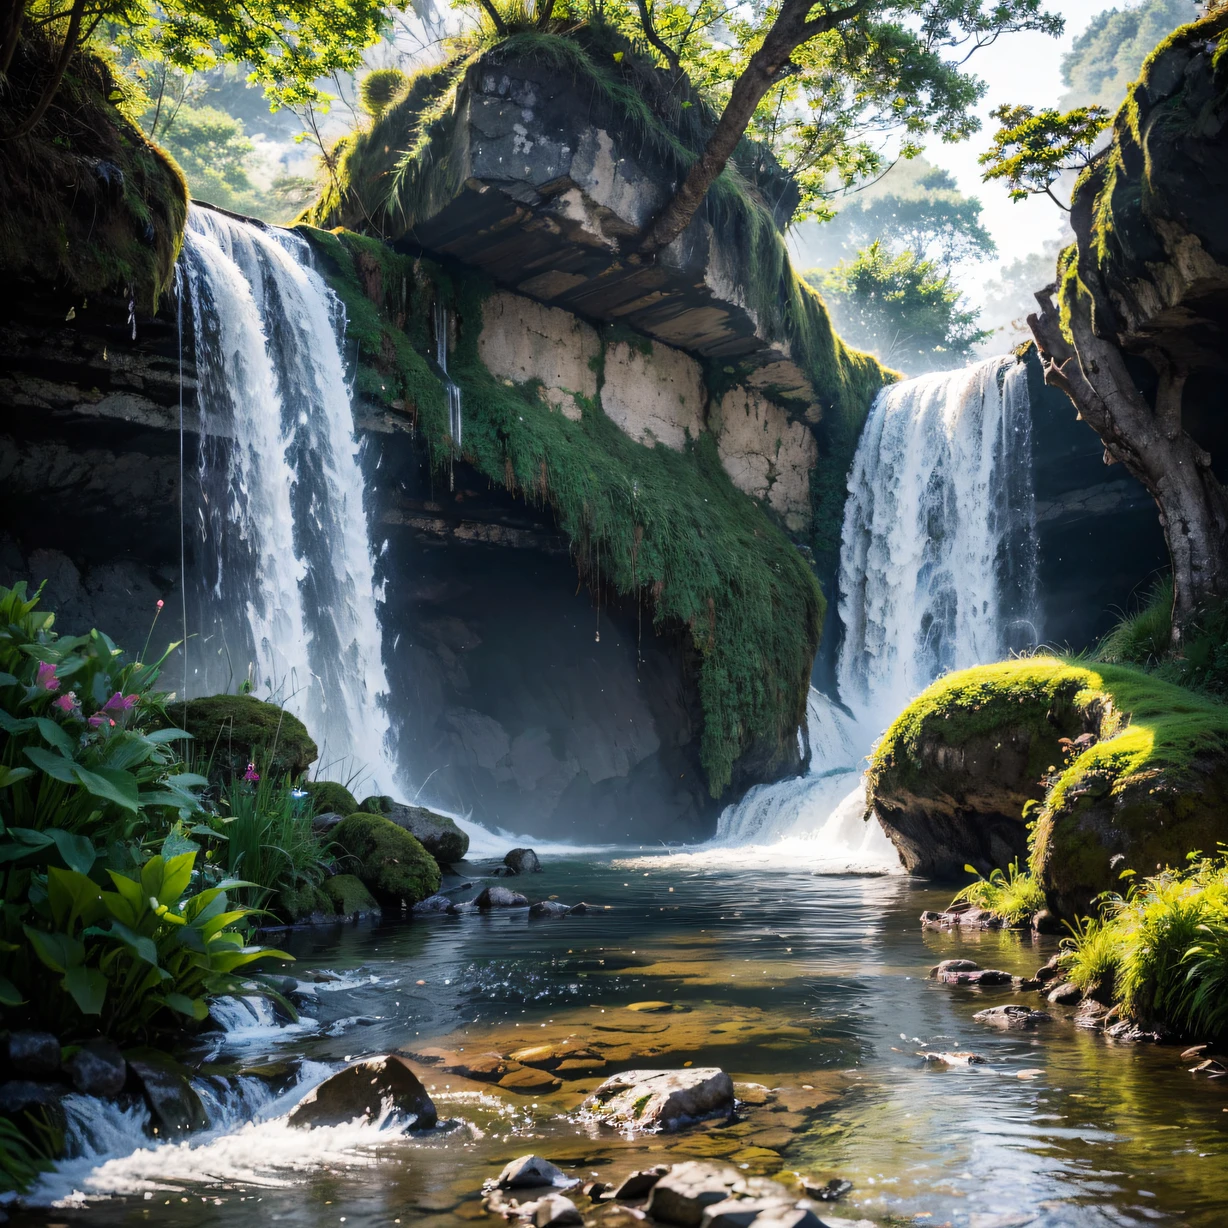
pixel 119 703
pixel 98 720
pixel 46 677
pixel 66 703
pixel 161 603
pixel 251 774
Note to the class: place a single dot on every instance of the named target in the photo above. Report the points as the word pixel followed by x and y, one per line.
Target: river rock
pixel 364 1090
pixel 1012 1015
pixel 549 908
pixel 1051 971
pixel 174 1106
pixel 434 903
pixel 1066 994
pixel 638 1184
pixel 501 897
pixel 532 1172
pixel 952 1059
pixel 982 976
pixel 523 861
pixel 681 1196
pixel 762 1212
pixel 33 1055
pixel 555 1210
pixel 955 965
pixel 322 824
pixel 20 1094
pixel 663 1098
pixel 829 1191
pixel 98 1069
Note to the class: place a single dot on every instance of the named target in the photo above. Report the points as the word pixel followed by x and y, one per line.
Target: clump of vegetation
pixel 391 864
pixel 328 797
pixel 106 925
pixel 380 88
pixel 1160 951
pixel 1012 894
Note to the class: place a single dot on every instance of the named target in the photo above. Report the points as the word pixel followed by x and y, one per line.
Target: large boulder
pixel 328 797
pixel 523 861
pixel 392 865
pixel 366 1091
pixel 349 898
pixel 662 1098
pixel 232 731
pixel 688 1189
pixel 174 1106
pixel 438 834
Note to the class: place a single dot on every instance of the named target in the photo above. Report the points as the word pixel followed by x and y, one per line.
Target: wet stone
pixel 829 1191
pixel 1051 971
pixel 33 1055
pixel 556 1210
pixel 1066 994
pixel 532 1172
pixel 362 1091
pixel 952 1059
pixel 523 861
pixel 500 897
pixel 1014 1016
pixel 954 965
pixel 434 903
pixel 98 1069
pixel 638 1184
pixel 983 976
pixel 549 908
pixel 526 1079
pixel 663 1098
pixel 174 1106
pixel 682 1195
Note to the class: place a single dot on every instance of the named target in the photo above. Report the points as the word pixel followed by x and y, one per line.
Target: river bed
pixel 813 986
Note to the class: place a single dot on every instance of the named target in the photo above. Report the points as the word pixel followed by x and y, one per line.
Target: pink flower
pixel 119 703
pixel 46 677
pixel 66 703
pixel 95 721
pixel 161 603
pixel 251 774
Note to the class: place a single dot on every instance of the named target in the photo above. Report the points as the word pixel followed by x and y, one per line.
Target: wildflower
pixel 98 720
pixel 251 775
pixel 46 677
pixel 161 603
pixel 119 703
pixel 66 703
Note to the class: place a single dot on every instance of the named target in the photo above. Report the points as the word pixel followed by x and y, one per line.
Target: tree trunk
pixel 12 14
pixel 1149 442
pixel 764 69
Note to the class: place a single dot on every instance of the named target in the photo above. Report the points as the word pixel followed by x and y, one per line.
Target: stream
pixel 815 986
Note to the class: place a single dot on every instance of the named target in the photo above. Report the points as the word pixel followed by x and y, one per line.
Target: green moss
pixel 300 901
pixel 438 834
pixel 88 202
pixel 390 862
pixel 328 797
pixel 348 897
pixel 234 730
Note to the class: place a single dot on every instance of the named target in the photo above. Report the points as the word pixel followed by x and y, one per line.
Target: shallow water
pixel 813 985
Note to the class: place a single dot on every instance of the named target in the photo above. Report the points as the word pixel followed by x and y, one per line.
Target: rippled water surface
pixel 815 986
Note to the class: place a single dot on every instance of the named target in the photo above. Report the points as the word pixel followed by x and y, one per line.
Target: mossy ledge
pixel 87 203
pixel 1146 786
pixel 658 526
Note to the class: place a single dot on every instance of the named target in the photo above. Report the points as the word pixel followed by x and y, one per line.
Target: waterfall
pixel 937 572
pixel 288 594
pixel 450 387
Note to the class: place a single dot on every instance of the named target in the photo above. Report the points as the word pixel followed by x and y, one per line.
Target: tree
pixel 287 45
pixel 822 82
pixel 1033 149
pixel 901 307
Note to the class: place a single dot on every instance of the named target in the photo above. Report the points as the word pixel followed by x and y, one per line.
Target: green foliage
pixel 388 860
pixel 1161 949
pixel 380 88
pixel 328 797
pixel 1033 149
pixel 214 154
pixel 1013 894
pixel 1107 56
pixel 235 731
pixel 903 308
pixel 1144 637
pixel 21 1159
pixel 95 932
pixel 267 840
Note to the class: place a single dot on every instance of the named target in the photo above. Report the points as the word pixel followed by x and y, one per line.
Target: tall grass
pixel 1013 894
pixel 1161 949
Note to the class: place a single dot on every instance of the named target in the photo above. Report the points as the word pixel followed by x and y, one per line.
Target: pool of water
pixel 813 986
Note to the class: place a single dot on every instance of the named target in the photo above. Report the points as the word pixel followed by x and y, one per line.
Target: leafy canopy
pixel 1033 149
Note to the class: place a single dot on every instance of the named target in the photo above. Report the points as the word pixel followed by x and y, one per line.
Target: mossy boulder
pixel 234 730
pixel 301 901
pixel 1126 772
pixel 391 863
pixel 438 834
pixel 328 797
pixel 349 897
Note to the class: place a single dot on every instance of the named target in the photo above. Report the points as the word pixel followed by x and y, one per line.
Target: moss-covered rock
pixel 438 834
pixel 301 901
pixel 349 897
pixel 389 861
pixel 234 730
pixel 328 797
pixel 1140 781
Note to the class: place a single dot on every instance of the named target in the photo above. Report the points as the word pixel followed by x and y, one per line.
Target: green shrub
pixel 390 862
pixel 1144 637
pixel 1161 950
pixel 1013 894
pixel 233 732
pixel 328 797
pixel 380 88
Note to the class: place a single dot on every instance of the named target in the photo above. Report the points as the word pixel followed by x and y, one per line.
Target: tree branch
pixel 650 32
pixel 71 40
pixel 493 14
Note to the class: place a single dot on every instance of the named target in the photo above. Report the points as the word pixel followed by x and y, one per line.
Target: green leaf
pixel 177 876
pixel 9 993
pixel 78 851
pixel 144 948
pixel 159 736
pixel 188 780
pixel 88 987
pixel 111 785
pixel 10 776
pixel 21 842
pixel 194 1008
pixel 57 736
pixel 56 766
pixel 73 899
pixel 58 951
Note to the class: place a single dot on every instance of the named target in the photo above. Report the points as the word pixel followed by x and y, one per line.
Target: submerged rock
pixel 365 1091
pixel 1013 1016
pixel 664 1098
pixel 523 861
pixel 530 1171
pixel 501 897
pixel 434 903
pixel 981 976
pixel 549 908
pixel 952 1059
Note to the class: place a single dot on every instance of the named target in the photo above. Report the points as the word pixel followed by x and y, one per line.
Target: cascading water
pixel 937 572
pixel 288 586
pixel 455 424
